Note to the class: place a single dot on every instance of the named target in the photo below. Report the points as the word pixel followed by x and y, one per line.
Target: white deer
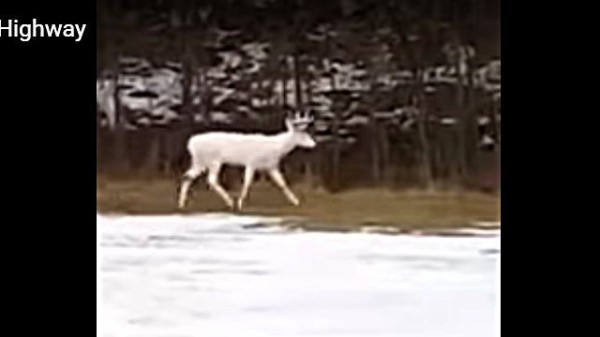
pixel 255 152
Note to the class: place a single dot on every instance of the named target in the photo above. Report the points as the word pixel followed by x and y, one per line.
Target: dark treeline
pixel 405 93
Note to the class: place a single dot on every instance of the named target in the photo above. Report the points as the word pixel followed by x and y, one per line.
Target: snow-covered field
pixel 222 275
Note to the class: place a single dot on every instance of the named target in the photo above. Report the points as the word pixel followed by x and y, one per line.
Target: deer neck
pixel 287 143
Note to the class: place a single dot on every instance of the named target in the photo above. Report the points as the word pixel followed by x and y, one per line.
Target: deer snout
pixel 307 141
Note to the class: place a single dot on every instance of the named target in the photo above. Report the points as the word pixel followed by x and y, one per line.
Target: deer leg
pixel 248 176
pixel 213 182
pixel 187 180
pixel 280 181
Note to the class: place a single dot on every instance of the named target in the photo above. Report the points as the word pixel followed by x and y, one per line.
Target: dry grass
pixel 343 211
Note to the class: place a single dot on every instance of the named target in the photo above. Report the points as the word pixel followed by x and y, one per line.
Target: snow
pixel 226 275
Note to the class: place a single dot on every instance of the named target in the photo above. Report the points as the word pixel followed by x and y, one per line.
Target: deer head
pixel 297 125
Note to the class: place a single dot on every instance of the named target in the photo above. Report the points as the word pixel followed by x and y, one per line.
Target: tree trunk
pixel 298 82
pixel 385 156
pixel 496 113
pixel 337 150
pixel 272 98
pixel 204 97
pixel 167 160
pixel 120 144
pixel 337 144
pixel 438 167
pixel 375 158
pixel 284 93
pixel 422 117
pixel 186 94
pixel 461 113
pixel 153 155
pixel 426 171
pixel 471 138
